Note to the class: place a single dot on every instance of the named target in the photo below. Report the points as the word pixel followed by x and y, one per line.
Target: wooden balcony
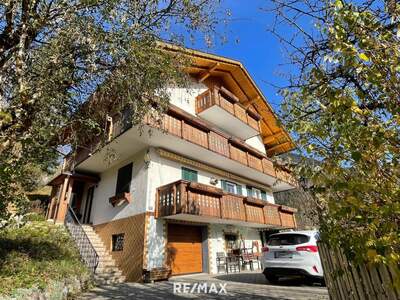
pixel 179 123
pixel 222 108
pixel 183 197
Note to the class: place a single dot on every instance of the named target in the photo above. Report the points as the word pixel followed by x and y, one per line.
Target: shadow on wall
pixel 171 257
pixel 156 245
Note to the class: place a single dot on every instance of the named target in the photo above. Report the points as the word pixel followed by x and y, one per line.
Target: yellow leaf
pixel 363 56
pixel 357 110
pixel 372 254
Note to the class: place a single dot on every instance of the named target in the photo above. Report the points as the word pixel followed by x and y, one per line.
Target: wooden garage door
pixel 184 249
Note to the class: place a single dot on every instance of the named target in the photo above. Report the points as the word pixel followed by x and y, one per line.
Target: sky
pixel 251 43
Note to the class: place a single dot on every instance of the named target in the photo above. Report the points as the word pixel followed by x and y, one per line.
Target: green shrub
pixel 31 217
pixel 35 255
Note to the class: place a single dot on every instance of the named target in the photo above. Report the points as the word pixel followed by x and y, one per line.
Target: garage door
pixel 184 249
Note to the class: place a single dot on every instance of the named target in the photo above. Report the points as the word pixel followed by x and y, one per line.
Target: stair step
pixel 107 271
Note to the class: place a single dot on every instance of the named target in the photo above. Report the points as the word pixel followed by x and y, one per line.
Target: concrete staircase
pixel 107 271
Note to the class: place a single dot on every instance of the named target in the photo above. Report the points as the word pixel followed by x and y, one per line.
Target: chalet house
pixel 202 184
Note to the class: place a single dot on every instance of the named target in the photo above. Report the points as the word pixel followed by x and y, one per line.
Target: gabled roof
pixel 236 78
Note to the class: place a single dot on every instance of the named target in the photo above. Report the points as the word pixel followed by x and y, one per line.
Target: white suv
pixel 292 253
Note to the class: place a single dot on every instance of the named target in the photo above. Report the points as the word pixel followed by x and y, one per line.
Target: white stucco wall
pixel 256 142
pixel 185 97
pixel 217 240
pixel 163 171
pixel 102 210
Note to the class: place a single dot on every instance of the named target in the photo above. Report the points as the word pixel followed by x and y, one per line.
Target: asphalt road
pixel 243 286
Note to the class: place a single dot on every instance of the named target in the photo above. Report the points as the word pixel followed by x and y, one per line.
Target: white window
pixel 256 193
pixel 230 187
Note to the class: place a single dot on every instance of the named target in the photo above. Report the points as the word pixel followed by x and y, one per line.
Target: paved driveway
pixel 240 286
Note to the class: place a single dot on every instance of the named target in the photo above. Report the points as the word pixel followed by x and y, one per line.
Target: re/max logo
pixel 199 288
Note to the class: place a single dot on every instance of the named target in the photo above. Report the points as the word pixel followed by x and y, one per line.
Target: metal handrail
pixel 87 251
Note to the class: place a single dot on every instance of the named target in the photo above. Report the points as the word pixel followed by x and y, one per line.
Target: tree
pixel 55 54
pixel 343 105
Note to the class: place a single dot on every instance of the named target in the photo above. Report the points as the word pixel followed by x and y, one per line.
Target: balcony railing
pixel 185 197
pixel 179 123
pixel 223 98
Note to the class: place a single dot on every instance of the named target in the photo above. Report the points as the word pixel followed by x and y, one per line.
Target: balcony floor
pixel 211 220
pixel 228 122
pixel 131 142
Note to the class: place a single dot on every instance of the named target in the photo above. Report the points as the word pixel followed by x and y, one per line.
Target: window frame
pixel 114 240
pixel 124 187
pixel 232 185
pixel 256 192
pixel 195 173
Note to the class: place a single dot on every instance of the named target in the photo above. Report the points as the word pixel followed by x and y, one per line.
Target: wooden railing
pixel 179 123
pixel 185 197
pixel 183 125
pixel 223 98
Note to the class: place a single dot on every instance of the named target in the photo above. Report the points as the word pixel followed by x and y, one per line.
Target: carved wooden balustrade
pixel 223 98
pixel 185 197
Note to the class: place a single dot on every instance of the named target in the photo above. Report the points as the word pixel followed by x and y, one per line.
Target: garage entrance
pixel 185 248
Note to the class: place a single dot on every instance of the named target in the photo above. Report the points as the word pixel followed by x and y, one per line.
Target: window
pixel 230 242
pixel 231 187
pixel 287 239
pixel 189 174
pixel 124 179
pixel 256 193
pixel 118 242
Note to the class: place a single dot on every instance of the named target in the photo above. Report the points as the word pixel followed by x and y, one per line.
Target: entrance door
pixel 184 249
pixel 88 205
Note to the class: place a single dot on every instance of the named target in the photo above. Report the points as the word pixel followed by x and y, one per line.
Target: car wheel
pixel 271 278
pixel 322 281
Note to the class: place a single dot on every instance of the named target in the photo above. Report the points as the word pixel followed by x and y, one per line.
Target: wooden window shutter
pixel 188 174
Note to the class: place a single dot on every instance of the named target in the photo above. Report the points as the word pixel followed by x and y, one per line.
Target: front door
pixel 88 205
pixel 184 249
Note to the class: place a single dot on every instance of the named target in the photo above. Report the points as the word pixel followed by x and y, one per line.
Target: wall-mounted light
pixel 213 181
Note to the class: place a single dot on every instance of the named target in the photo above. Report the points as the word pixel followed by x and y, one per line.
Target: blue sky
pixel 250 43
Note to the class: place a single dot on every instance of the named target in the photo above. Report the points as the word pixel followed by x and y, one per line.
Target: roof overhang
pixel 206 67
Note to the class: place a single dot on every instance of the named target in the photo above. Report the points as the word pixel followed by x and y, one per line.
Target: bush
pixel 36 255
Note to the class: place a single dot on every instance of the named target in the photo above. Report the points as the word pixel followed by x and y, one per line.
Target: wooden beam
pixel 271 138
pixel 247 103
pixel 203 76
pixel 272 149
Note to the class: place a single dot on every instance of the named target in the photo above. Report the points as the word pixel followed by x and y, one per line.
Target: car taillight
pixel 264 249
pixel 308 248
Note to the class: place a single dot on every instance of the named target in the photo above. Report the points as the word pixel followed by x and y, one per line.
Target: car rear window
pixel 288 239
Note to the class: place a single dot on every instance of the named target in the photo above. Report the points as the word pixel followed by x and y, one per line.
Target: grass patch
pixel 35 255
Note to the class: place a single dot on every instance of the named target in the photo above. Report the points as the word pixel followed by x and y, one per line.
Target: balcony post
pixel 174 199
pixel 183 196
pixel 157 206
